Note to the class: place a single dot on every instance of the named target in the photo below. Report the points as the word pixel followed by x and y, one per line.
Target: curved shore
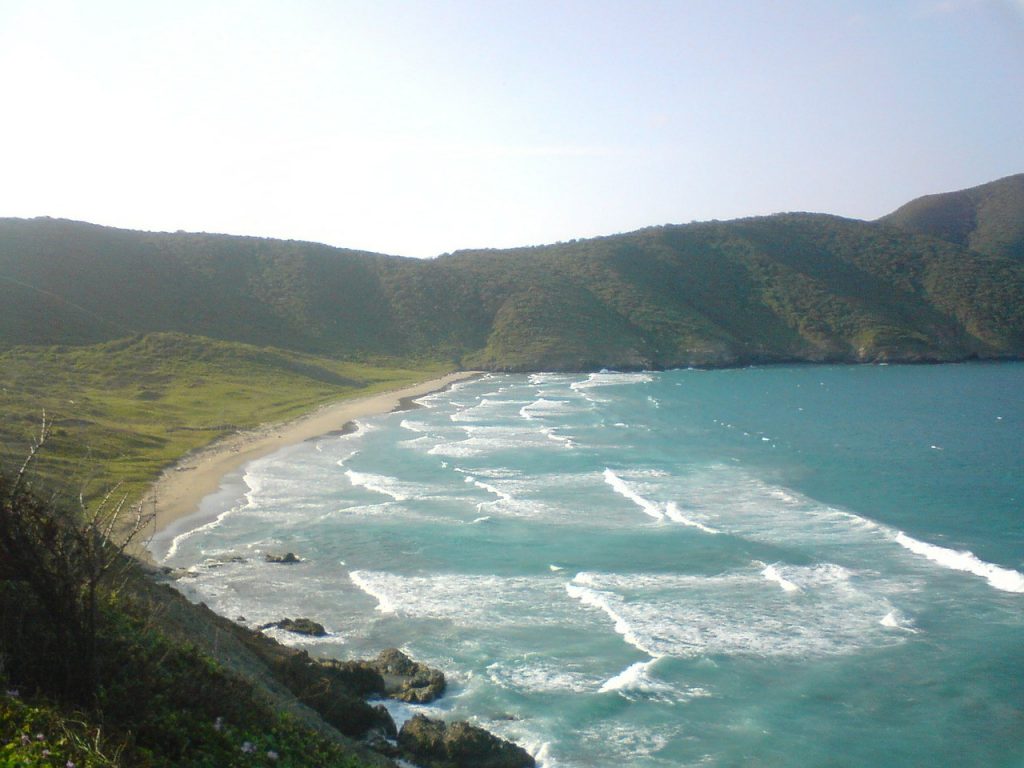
pixel 180 489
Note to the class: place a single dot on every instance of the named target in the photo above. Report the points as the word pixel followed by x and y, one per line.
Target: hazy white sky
pixel 422 127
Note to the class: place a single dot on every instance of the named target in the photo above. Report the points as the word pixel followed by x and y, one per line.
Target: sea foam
pixel 771 573
pixel 364 580
pixel 388 486
pixel 739 613
pixel 622 488
pixel 1005 579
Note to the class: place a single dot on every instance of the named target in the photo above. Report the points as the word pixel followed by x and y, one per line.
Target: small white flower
pixel 248 747
pixel 272 755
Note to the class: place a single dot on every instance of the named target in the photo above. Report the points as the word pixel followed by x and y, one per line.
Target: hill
pixel 988 218
pixel 790 287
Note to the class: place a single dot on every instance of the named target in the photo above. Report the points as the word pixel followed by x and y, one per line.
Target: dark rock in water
pixel 286 558
pixel 391 674
pixel 436 744
pixel 225 561
pixel 407 680
pixel 299 626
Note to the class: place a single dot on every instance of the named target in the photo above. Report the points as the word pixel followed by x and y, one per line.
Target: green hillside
pixel 789 287
pixel 65 282
pixel 988 218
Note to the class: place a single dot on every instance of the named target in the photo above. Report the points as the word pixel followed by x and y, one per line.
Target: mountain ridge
pixel 988 218
pixel 781 288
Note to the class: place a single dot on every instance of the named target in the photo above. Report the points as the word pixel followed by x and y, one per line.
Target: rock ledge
pixel 435 744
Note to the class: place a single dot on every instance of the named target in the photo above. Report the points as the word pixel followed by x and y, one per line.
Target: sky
pixel 422 127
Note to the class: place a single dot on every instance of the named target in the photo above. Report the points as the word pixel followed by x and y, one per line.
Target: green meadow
pixel 124 410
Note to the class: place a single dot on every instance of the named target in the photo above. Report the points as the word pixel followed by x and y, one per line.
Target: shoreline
pixel 180 489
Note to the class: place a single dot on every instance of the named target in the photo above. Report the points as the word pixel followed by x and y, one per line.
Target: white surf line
pixel 562 440
pixel 894 619
pixel 653 509
pixel 579 589
pixel 771 573
pixel 636 676
pixel 172 550
pixel 503 497
pixel 542 405
pixel 1005 579
pixel 381 484
pixel 384 604
pixel 999 577
pixel 622 488
pixel 672 510
pixel 253 486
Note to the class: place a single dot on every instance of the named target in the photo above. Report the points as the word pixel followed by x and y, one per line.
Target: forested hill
pixel 988 218
pixel 787 287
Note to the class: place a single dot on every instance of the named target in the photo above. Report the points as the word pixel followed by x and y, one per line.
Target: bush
pixel 53 559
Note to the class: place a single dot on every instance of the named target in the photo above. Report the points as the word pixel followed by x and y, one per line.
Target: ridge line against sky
pixel 416 128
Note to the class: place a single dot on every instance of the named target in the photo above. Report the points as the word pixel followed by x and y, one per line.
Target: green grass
pixel 124 410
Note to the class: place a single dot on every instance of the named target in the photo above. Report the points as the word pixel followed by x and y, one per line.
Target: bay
pixel 792 565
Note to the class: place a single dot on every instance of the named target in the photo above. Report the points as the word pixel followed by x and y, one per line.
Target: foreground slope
pixel 988 218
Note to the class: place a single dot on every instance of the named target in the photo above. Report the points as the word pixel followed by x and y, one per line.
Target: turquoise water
pixel 756 567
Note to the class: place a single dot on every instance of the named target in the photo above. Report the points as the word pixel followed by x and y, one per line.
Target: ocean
pixel 767 566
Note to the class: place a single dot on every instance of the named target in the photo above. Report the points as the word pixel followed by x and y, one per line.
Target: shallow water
pixel 764 566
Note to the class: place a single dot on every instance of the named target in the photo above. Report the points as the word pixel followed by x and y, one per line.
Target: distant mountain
pixel 789 287
pixel 988 218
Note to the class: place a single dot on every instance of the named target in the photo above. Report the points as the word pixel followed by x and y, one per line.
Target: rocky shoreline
pixel 341 696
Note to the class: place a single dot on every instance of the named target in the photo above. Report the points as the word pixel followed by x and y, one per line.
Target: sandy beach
pixel 180 489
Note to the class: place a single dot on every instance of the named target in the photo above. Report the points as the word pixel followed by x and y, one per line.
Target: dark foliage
pixel 988 218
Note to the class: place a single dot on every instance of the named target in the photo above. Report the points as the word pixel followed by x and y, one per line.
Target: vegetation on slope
pixel 786 287
pixel 124 410
pixel 90 674
pixel 64 282
pixel 778 288
pixel 988 218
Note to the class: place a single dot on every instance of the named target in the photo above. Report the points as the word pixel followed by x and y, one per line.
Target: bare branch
pixel 44 434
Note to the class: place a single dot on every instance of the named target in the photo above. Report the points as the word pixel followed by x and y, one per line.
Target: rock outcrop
pixel 435 744
pixel 407 680
pixel 392 675
pixel 287 558
pixel 299 626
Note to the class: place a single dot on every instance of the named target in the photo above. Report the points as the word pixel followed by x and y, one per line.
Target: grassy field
pixel 124 410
